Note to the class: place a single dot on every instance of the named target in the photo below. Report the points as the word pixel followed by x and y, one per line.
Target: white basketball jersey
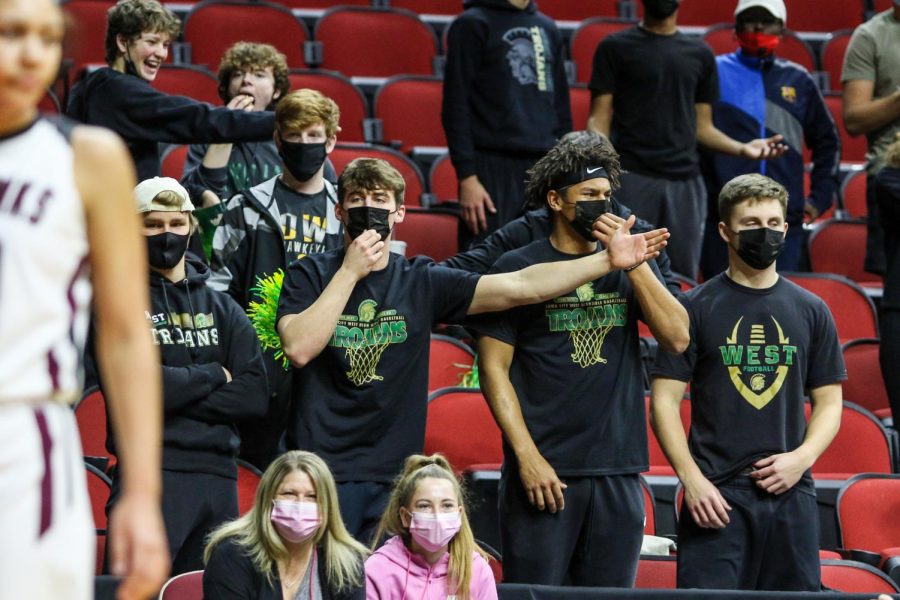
pixel 44 286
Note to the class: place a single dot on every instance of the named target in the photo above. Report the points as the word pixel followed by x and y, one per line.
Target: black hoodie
pixel 505 87
pixel 144 116
pixel 199 331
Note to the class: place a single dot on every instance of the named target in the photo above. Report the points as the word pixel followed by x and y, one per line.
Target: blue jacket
pixel 763 97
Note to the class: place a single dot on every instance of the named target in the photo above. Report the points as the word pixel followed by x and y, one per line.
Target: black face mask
pixel 165 249
pixel 660 9
pixel 361 218
pixel 302 160
pixel 586 212
pixel 760 247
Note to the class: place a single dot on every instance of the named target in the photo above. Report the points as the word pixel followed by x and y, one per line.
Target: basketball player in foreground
pixel 66 222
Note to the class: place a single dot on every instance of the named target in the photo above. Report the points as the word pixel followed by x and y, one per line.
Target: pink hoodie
pixel 395 573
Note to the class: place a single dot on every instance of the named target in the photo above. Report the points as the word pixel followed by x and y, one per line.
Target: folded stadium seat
pixel 351 101
pixel 90 415
pixel 862 445
pixel 248 478
pixel 882 5
pixel 823 15
pixel 375 42
pixel 173 159
pixel 50 103
pixel 865 384
pixel 867 512
pixel 567 10
pixel 430 7
pixel 431 233
pixel 853 194
pixel 186 586
pixel 320 4
pixel 839 246
pixel 496 562
pixel 580 105
pixel 831 57
pixel 853 149
pixel 722 40
pixel 188 80
pixel 98 486
pixel 704 12
pixel 343 153
pixel 409 107
pixel 213 26
pixel 856 577
pixel 853 311
pixel 659 464
pixel 656 573
pixel 461 427
pixel 448 360
pixel 442 180
pixel 585 40
pixel 649 507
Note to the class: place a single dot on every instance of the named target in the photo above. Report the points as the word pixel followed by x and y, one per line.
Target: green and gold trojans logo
pixel 365 336
pixel 757 369
pixel 588 317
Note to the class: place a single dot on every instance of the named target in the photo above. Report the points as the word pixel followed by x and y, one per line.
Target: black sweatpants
pixel 595 541
pixel 771 543
pixel 362 503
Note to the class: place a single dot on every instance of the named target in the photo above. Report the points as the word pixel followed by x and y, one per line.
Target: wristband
pixel 633 267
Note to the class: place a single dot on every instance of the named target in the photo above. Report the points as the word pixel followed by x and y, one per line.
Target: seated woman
pixel 292 544
pixel 432 553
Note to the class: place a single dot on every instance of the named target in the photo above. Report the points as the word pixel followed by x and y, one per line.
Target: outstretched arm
pixel 548 280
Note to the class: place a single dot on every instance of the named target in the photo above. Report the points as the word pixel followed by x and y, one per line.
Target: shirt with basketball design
pixel 576 370
pixel 361 403
pixel 753 355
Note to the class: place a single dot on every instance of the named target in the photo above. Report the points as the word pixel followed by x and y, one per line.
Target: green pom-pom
pixel 469 379
pixel 262 314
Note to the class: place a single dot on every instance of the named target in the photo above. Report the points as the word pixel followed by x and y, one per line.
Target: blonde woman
pixel 292 544
pixel 432 553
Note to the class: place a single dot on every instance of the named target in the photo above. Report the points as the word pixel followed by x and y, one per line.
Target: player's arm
pixel 130 363
pixel 710 136
pixel 704 501
pixel 600 118
pixel 543 487
pixel 862 112
pixel 305 335
pixel 541 282
pixel 780 472
pixel 666 317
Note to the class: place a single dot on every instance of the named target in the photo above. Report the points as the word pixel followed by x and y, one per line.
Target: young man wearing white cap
pixel 761 95
pixel 212 374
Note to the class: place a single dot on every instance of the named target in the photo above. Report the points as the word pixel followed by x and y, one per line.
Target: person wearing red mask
pixel 761 95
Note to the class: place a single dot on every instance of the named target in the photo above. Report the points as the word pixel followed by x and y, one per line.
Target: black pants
pixel 362 504
pixel 875 255
pixel 262 439
pixel 595 541
pixel 890 358
pixel 771 543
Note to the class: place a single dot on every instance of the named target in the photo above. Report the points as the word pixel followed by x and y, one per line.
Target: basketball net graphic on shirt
pixel 757 369
pixel 366 336
pixel 588 318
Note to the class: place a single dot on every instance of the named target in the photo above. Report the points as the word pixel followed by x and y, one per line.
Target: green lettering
pixel 752 355
pixel 772 355
pixel 731 355
pixel 789 354
pixel 398 332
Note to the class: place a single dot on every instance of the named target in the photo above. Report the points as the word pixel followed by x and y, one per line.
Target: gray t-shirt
pixel 309 588
pixel 873 56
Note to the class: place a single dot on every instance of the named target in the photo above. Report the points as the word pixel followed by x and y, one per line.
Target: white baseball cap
pixel 145 194
pixel 776 7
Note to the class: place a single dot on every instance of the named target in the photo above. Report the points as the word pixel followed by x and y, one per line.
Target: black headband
pixel 571 178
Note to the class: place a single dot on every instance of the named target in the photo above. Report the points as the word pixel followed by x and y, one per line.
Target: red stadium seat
pixel 85 35
pixel 867 508
pixel 213 26
pixel 344 153
pixel 855 577
pixel 430 7
pixel 321 4
pixel 50 103
pixel 853 312
pixel 376 42
pixel 442 180
pixel 585 40
pixel 496 561
pixel 832 57
pixel 448 361
pixel 853 194
pixel 409 107
pixel 186 586
pixel 90 414
pixel 649 507
pixel 98 486
pixel 656 573
pixel 567 10
pixel 703 12
pixel 861 445
pixel 865 384
pixel 838 246
pixel 722 40
pixel 431 233
pixel 853 149
pixel 461 427
pixel 580 104
pixel 186 80
pixel 173 159
pixel 247 482
pixel 100 548
pixel 339 88
pixel 823 15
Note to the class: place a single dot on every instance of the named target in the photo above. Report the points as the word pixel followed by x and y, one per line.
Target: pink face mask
pixel 295 521
pixel 434 531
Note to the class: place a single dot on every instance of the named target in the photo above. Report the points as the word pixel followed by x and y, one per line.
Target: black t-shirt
pixel 752 355
pixel 303 220
pixel 361 403
pixel 576 370
pixel 655 80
